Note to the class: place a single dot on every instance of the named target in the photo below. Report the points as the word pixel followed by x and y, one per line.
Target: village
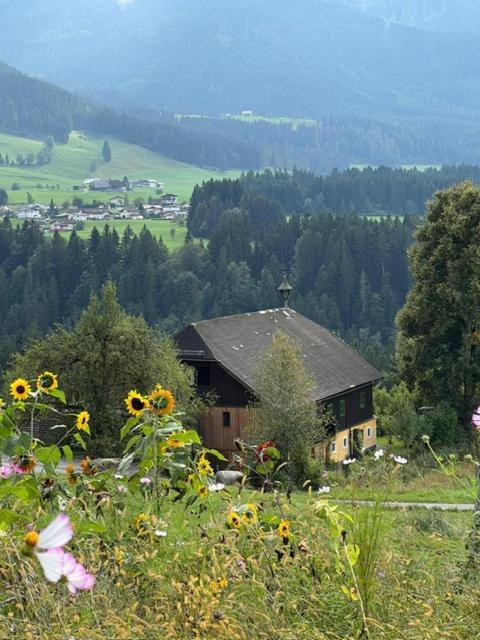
pixel 66 217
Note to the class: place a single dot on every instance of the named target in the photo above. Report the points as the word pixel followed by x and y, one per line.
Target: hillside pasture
pixel 72 164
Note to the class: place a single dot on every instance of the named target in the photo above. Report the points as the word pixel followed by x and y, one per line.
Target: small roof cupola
pixel 285 289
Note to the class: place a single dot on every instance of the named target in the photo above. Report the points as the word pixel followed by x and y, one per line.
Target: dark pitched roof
pixel 237 342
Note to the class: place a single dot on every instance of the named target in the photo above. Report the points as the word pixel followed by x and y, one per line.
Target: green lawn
pixel 295 122
pixel 71 165
pixel 159 228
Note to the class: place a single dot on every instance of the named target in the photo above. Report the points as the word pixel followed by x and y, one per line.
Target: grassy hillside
pixel 72 162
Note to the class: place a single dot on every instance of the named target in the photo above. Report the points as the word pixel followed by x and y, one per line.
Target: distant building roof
pixel 236 342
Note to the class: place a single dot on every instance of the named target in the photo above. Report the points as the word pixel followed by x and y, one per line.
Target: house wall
pixel 341 452
pixel 217 436
pixel 354 412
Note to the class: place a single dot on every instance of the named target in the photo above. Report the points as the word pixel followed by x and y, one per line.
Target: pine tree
pixel 106 151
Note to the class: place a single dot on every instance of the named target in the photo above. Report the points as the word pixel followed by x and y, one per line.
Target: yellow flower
pixel 19 389
pixel 175 443
pixel 233 520
pixel 47 382
pixel 283 529
pixel 202 491
pixel 87 467
pixel 218 585
pixel 204 467
pixel 142 524
pixel 161 401
pixel 250 514
pixel 70 473
pixel 82 421
pixel 136 403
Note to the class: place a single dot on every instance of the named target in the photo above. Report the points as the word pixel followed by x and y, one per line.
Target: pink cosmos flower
pixel 6 471
pixel 476 418
pixel 58 565
pixel 55 562
pixel 145 480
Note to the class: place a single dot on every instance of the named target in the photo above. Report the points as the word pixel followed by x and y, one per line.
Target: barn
pixel 224 353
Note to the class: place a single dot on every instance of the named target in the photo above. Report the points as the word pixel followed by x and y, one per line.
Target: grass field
pixel 159 228
pixel 71 165
pixel 295 122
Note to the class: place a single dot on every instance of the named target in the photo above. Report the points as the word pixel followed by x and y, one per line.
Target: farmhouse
pixel 225 352
pixel 146 183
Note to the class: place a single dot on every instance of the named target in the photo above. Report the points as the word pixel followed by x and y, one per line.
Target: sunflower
pixel 47 382
pixel 218 585
pixel 71 475
pixel 87 467
pixel 82 421
pixel 136 403
pixel 204 467
pixel 142 524
pixel 233 520
pixel 283 529
pixel 19 389
pixel 162 401
pixel 175 443
pixel 202 491
pixel 25 463
pixel 250 514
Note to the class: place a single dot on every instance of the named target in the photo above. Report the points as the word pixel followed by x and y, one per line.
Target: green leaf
pixel 131 443
pixel 215 454
pixel 188 437
pixel 68 453
pixel 57 393
pixel 7 517
pixel 49 455
pixel 352 551
pixel 80 440
pixel 128 426
pixel 90 526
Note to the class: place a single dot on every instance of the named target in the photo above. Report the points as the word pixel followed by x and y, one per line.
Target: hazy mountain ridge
pixel 433 15
pixel 218 56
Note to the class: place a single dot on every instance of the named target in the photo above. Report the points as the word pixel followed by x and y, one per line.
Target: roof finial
pixel 285 289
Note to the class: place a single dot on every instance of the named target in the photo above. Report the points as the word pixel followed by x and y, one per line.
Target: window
pixel 203 376
pixel 329 408
pixel 363 400
pixel 226 418
pixel 333 447
pixel 369 432
pixel 345 442
pixel 342 408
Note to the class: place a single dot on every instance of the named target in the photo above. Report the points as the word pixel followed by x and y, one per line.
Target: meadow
pixel 157 548
pixel 172 234
pixel 72 164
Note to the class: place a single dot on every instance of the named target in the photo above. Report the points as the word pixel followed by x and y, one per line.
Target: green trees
pixel 106 151
pixel 3 197
pixel 285 411
pixel 439 326
pixel 101 359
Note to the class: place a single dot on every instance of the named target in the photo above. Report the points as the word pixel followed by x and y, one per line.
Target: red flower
pixel 260 450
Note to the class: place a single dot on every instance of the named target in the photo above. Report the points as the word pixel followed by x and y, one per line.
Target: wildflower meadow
pixel 158 547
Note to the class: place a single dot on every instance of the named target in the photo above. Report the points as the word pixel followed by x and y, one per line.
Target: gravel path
pixel 430 506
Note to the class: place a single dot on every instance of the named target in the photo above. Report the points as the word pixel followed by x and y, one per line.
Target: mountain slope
pixel 270 56
pixel 32 107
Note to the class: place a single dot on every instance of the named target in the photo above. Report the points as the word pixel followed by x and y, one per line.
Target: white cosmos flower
pixel 216 486
pixel 325 489
pixel 399 459
pixel 350 461
pixel 379 453
pixel 57 534
pixel 160 534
